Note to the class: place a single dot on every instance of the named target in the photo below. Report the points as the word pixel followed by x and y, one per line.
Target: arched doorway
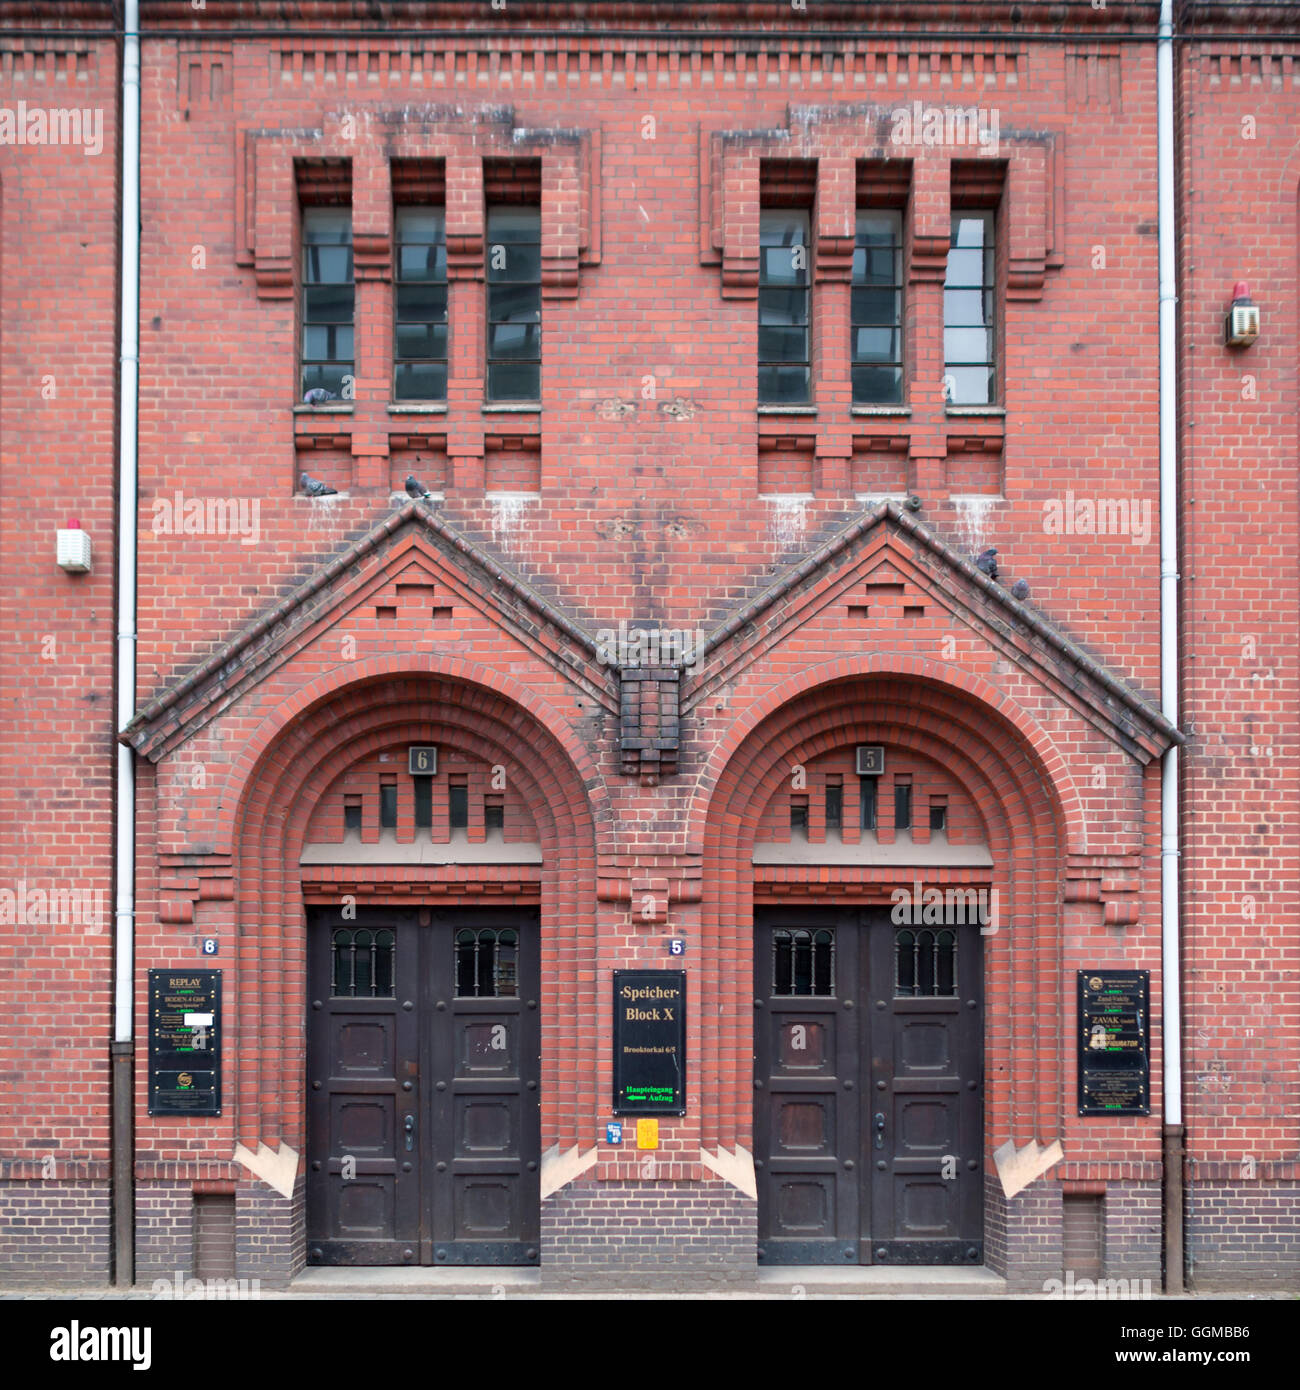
pixel 875 921
pixel 400 953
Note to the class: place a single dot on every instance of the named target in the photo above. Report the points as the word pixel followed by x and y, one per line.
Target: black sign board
pixel 649 1042
pixel 1114 1042
pixel 185 1042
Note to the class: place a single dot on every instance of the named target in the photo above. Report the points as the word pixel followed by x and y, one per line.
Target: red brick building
pixel 724 341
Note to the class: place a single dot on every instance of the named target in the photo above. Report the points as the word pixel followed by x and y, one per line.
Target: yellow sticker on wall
pixel 647 1134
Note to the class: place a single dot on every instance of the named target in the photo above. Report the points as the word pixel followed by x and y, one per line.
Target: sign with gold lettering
pixel 649 1042
pixel 185 1042
pixel 1114 1031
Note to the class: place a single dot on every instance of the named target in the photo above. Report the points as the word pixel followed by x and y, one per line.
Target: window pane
pixel 427 302
pixel 511 382
pixel 967 308
pixel 782 227
pixel 515 303
pixel 507 261
pixel 782 306
pixel 876 306
pixel 328 304
pixel 422 262
pixel 969 385
pixel 327 342
pixel 783 385
pixel 879 228
pixel 420 381
pixel 967 345
pixel 514 340
pixel 327 376
pixel 875 345
pixel 965 268
pixel 421 340
pixel 327 265
pixel 783 344
pixel 878 385
pixel 421 224
pixel 972 229
pixel 876 265
pixel 784 265
pixel 327 226
pixel 514 224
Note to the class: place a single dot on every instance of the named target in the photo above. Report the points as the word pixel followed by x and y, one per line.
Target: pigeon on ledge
pixel 313 487
pixel 318 395
pixel 1020 589
pixel 415 488
pixel 987 563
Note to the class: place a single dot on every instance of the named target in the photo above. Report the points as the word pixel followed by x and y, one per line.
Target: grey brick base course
pixel 54 1233
pixel 1243 1235
pixel 669 1235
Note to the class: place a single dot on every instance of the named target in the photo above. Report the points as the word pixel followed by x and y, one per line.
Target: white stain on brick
pixel 787 518
pixel 972 515
pixel 508 516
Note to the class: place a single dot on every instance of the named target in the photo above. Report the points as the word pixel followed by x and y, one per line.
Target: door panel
pixel 423 1107
pixel 868 1081
pixel 807 1102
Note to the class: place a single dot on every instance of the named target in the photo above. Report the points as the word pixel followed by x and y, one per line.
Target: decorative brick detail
pixel 649 730
pixel 650 1235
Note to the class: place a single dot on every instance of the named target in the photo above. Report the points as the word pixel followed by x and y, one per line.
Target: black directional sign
pixel 1114 1040
pixel 649 1042
pixel 185 1042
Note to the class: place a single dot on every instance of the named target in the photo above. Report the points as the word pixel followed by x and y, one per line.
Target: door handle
pixel 880 1129
pixel 408 1124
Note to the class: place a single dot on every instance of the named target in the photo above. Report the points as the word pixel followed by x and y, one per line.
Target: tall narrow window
pixel 877 309
pixel 420 306
pixel 902 805
pixel 328 303
pixel 784 364
pixel 514 304
pixel 867 792
pixel 969 326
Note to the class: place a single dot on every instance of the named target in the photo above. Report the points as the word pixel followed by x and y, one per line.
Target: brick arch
pixel 318 736
pixel 1027 831
pixel 354 676
pixel 993 703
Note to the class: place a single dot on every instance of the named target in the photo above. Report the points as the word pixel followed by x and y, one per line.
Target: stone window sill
pixel 512 407
pixel 418 408
pixel 329 408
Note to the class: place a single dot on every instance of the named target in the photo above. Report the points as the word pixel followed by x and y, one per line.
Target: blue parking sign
pixel 613 1133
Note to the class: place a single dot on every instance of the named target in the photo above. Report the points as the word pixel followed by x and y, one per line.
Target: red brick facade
pixel 291 648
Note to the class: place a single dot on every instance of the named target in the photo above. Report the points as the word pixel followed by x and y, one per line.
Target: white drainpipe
pixel 1170 953
pixel 124 830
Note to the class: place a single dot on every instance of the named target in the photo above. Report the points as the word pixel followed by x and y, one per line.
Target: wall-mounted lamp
pixel 1241 327
pixel 72 548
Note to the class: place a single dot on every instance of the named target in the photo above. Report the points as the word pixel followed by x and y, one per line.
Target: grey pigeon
pixel 415 488
pixel 318 395
pixel 1020 589
pixel 987 563
pixel 313 487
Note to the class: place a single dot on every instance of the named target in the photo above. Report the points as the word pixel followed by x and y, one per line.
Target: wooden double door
pixel 868 1081
pixel 423 1068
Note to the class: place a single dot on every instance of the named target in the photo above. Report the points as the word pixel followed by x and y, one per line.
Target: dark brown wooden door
pixel 868 1120
pixel 423 1067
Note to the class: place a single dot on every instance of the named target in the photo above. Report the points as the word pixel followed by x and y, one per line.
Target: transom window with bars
pixel 487 963
pixel 328 302
pixel 784 361
pixel 876 314
pixel 514 304
pixel 420 305
pixel 803 962
pixel 969 321
pixel 361 964
pixel 925 963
